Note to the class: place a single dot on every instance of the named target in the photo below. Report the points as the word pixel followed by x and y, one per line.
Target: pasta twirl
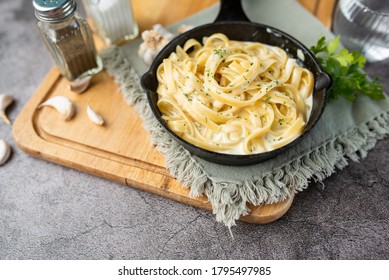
pixel 234 97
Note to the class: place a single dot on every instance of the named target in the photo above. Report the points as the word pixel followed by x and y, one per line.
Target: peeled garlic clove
pixel 62 104
pixel 93 116
pixel 81 85
pixel 5 151
pixel 5 101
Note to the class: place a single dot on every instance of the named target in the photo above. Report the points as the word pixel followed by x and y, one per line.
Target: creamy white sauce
pixel 309 104
pixel 236 149
pixel 300 55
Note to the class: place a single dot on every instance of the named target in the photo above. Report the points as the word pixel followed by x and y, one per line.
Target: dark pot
pixel 233 22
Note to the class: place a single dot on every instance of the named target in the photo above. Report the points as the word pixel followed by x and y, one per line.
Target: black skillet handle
pixel 231 10
pixel 323 81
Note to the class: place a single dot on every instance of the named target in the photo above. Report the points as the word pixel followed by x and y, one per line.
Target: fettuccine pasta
pixel 234 97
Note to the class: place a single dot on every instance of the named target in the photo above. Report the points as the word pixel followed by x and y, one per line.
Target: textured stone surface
pixel 51 212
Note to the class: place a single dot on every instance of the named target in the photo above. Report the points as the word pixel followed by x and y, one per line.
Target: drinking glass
pixel 364 26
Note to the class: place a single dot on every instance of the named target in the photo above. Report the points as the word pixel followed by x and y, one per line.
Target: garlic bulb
pixel 93 116
pixel 5 151
pixel 5 101
pixel 153 41
pixel 62 104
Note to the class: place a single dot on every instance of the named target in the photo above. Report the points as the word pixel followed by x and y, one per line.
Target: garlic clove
pixel 5 101
pixel 93 116
pixel 62 104
pixel 5 151
pixel 81 85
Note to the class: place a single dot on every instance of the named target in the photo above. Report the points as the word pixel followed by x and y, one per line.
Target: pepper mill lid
pixel 54 10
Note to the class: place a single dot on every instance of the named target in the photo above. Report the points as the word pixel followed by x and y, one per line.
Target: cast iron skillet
pixel 233 22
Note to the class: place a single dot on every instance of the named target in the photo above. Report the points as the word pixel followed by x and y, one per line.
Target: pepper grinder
pixel 68 38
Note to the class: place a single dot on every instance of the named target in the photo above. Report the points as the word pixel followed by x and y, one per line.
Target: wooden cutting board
pixel 120 150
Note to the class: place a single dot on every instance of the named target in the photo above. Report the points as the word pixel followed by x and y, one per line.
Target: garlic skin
pixel 94 117
pixel 5 151
pixel 163 31
pixel 183 28
pixel 5 101
pixel 62 104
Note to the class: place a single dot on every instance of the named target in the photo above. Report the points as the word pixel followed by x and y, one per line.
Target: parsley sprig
pixel 345 69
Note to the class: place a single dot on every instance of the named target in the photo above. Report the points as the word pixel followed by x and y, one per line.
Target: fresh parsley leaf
pixel 320 46
pixel 346 70
pixel 332 45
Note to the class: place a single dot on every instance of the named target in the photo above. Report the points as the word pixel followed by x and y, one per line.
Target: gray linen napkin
pixel 345 131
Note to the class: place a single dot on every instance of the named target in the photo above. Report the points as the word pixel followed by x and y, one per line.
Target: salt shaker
pixel 69 41
pixel 113 20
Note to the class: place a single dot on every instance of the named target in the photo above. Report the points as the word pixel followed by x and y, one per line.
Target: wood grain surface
pixel 322 9
pixel 120 150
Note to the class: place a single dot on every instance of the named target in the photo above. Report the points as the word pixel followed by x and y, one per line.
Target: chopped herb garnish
pixel 220 52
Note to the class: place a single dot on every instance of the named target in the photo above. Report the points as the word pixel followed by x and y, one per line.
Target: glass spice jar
pixel 69 41
pixel 113 20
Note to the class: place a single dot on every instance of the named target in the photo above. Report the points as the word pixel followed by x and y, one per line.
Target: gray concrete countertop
pixel 51 212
